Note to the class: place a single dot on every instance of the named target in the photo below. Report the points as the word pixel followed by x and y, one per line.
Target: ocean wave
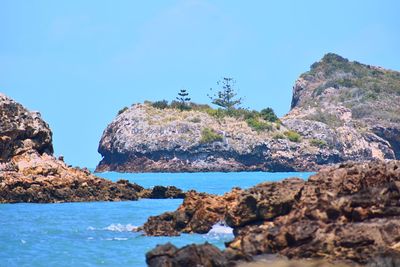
pixel 220 228
pixel 116 227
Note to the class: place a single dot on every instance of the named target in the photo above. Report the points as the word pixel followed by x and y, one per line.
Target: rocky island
pixel 341 111
pixel 30 173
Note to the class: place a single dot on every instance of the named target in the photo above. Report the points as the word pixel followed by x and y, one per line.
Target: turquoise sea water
pixel 100 234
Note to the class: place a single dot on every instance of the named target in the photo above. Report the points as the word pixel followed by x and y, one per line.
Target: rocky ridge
pixel 348 213
pixel 343 111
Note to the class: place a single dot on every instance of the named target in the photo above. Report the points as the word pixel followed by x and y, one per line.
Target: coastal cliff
pixel 340 111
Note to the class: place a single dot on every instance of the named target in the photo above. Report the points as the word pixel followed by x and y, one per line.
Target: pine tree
pixel 183 99
pixel 225 98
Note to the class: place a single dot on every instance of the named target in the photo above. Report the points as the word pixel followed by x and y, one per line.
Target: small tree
pixel 226 97
pixel 183 99
pixel 268 114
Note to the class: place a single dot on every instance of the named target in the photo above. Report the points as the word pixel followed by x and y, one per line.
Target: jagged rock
pixel 161 192
pixel 192 255
pixel 44 179
pixel 29 173
pixel 349 213
pixel 21 130
pixel 197 214
pixel 344 111
pixel 200 211
pixel 263 202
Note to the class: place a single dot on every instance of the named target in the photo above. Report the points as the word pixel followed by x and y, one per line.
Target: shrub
pixel 279 136
pixel 199 107
pixel 208 136
pixel 179 105
pixel 278 124
pixel 325 117
pixel 268 114
pixel 162 104
pixel 217 113
pixel 293 136
pixel 195 120
pixel 122 110
pixel 318 143
pixel 258 125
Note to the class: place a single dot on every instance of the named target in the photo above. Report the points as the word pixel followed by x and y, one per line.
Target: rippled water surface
pixel 100 234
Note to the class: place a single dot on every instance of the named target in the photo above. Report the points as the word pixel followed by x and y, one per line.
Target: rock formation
pixel 21 130
pixel 198 213
pixel 348 213
pixel 29 172
pixel 343 111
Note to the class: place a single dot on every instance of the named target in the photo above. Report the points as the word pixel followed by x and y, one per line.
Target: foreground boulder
pixel 191 255
pixel 348 213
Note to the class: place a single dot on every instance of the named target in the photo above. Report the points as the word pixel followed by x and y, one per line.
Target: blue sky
pixel 79 62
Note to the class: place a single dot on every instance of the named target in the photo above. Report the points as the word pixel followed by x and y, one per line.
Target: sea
pixel 101 233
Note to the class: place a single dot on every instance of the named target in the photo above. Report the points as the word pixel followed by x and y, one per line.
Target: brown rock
pixel 21 131
pixel 192 255
pixel 348 214
pixel 197 214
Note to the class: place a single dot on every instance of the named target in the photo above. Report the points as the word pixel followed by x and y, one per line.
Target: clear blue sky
pixel 79 62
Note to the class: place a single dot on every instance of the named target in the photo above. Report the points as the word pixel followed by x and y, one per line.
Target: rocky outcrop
pixel 29 172
pixel 347 213
pixel 32 177
pixel 43 179
pixel 197 214
pixel 343 111
pixel 162 192
pixel 21 130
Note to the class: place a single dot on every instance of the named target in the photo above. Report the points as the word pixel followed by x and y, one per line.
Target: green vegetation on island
pixel 208 136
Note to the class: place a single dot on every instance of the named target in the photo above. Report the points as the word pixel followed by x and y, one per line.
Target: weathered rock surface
pixel 161 192
pixel 43 179
pixel 201 255
pixel 29 173
pixel 200 211
pixel 21 130
pixel 344 111
pixel 197 214
pixel 32 177
pixel 348 213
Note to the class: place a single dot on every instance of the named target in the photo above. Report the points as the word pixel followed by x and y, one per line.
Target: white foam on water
pixel 23 241
pixel 120 238
pixel 115 227
pixel 120 227
pixel 220 228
